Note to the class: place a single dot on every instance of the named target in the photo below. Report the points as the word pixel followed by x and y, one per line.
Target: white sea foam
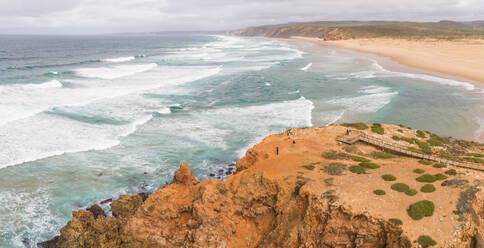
pixel 164 111
pixel 337 118
pixel 113 72
pixel 46 85
pixel 27 134
pixel 27 215
pixel 55 135
pixel 267 84
pixel 305 68
pixel 120 59
pixel 442 81
pixel 376 98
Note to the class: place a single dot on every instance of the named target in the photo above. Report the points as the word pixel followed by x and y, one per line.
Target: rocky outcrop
pixel 184 176
pixel 249 210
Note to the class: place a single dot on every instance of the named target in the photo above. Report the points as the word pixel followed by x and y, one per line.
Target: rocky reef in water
pixel 273 200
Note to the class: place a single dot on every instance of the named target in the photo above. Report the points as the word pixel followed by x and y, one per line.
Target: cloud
pixel 108 16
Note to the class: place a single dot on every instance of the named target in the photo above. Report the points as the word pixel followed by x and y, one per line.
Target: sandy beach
pixel 461 58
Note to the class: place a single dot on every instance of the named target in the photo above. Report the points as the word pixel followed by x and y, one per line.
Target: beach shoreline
pixel 459 59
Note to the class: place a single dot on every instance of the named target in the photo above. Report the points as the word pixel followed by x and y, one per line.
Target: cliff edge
pixel 296 189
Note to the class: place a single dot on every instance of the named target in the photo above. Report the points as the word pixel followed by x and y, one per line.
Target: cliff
pixel 304 195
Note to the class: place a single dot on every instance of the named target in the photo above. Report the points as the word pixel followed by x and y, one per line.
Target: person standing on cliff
pixel 277 150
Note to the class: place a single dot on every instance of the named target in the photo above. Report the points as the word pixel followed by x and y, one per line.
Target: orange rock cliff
pixel 304 196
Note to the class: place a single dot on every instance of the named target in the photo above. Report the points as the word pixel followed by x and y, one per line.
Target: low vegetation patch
pixel 335 169
pixel 474 160
pixel 332 155
pixel 359 125
pixel 413 149
pixel 369 165
pixel 359 159
pixel 388 177
pixel 427 178
pixel 421 209
pixel 309 166
pixel 439 165
pixel 424 147
pixel 379 192
pixel 421 134
pixel 435 140
pixel 357 169
pixel 377 128
pixel 396 221
pixel 382 155
pixel 477 155
pixel 400 187
pixel 425 162
pixel 427 188
pixel 440 176
pixel 426 241
pixel 411 192
pixel 451 172
pixel 457 212
pixel 418 171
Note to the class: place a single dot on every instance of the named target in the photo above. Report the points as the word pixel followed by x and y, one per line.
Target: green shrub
pixel 330 155
pixel 400 130
pixel 439 165
pixel 424 147
pixel 382 155
pixel 477 155
pixel 456 212
pixel 420 134
pixel 451 172
pixel 359 125
pixel 427 178
pixel 426 241
pixel 474 160
pixel 357 169
pixel 435 140
pixel 309 166
pixel 379 192
pixel 421 209
pixel 388 177
pixel 369 165
pixel 408 140
pixel 440 176
pixel 411 192
pixel 413 149
pixel 418 171
pixel 425 162
pixel 377 128
pixel 400 187
pixel 427 188
pixel 396 221
pixel 359 159
pixel 151 208
pixel 394 137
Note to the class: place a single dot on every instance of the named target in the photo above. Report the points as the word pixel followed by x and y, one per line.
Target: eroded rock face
pixel 126 205
pixel 184 176
pixel 249 210
pixel 478 207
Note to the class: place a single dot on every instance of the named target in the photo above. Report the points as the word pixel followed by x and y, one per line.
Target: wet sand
pixel 461 58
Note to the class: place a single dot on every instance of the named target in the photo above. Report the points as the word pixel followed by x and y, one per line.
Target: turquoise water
pixel 84 119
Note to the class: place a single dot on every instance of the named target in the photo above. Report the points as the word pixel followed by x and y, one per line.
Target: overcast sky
pixel 112 16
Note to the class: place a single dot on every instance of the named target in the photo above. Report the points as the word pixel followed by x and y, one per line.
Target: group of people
pixel 291 137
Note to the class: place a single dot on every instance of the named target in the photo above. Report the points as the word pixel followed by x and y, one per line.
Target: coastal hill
pixel 307 188
pixel 373 29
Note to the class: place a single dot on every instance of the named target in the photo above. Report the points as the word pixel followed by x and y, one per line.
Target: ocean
pixel 87 118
